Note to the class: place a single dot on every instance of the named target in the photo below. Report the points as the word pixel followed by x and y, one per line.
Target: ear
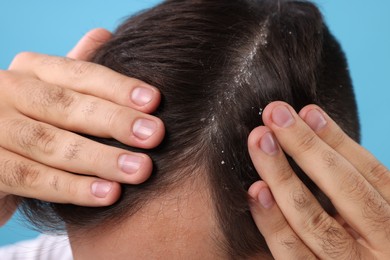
pixel 90 42
pixel 8 206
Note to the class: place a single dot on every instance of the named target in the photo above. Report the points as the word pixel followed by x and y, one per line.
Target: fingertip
pixel 152 106
pixel 314 117
pixel 144 172
pixel 254 190
pixel 104 192
pixel 114 195
pixel 262 138
pixel 255 137
pixel 261 194
pixel 89 43
pixel 147 133
pixel 160 132
pixel 303 112
pixel 99 35
pixel 267 112
pixel 144 97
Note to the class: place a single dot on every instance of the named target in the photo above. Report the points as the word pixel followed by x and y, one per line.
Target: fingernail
pixel 268 144
pixel 130 163
pixel 142 96
pixel 265 198
pixel 315 119
pixel 144 128
pixel 101 188
pixel 282 116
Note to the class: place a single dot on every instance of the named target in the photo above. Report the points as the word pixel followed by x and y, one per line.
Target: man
pixel 176 197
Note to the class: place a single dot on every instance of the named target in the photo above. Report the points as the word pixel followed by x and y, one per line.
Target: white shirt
pixel 44 247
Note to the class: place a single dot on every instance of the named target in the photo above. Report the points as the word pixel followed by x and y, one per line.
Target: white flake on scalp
pixel 264 32
pixel 260 111
pixel 242 75
pixel 261 39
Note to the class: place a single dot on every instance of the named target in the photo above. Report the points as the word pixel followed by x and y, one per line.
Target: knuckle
pixel 35 136
pixel 80 68
pixel 113 115
pixel 354 253
pixel 330 158
pixel 53 61
pixel 377 172
pixel 318 221
pixel 21 58
pixel 306 143
pixel 284 173
pixel 337 244
pixel 18 174
pixel 117 86
pixel 338 139
pixel 333 242
pixel 290 242
pixel 279 227
pixel 72 150
pixel 96 158
pixel 25 175
pixel 42 96
pixel 294 245
pixel 90 109
pixel 300 198
pixel 54 183
pixel 72 190
pixel 42 137
pixel 8 80
pixel 57 96
pixel 376 211
pixel 354 186
pixel 63 187
pixel 284 176
pixel 99 157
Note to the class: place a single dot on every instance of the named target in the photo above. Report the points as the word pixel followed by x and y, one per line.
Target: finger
pixel 373 170
pixel 320 232
pixel 90 42
pixel 89 78
pixel 84 113
pixel 26 178
pixel 73 153
pixel 363 208
pixel 280 238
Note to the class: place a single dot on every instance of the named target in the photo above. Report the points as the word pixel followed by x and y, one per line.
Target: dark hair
pixel 218 64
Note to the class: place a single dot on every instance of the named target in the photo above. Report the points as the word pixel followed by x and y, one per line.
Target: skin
pixel 43 100
pixel 180 224
pixel 292 221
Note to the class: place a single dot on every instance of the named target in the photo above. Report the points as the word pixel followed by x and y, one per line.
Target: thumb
pixel 90 42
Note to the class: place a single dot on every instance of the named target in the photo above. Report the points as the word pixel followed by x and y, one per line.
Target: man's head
pixel 217 64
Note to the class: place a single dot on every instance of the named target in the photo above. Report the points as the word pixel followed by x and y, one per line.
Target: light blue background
pixel 363 28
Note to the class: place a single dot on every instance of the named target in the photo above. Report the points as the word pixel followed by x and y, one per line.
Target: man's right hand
pixel 44 100
pixel 293 223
